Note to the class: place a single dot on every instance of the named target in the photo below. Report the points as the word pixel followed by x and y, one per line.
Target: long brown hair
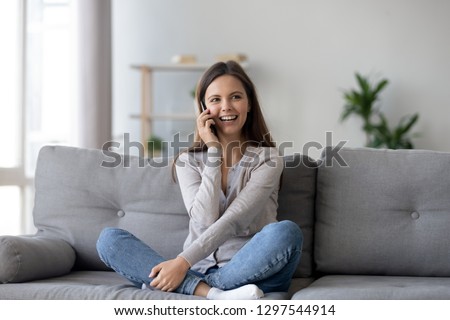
pixel 255 130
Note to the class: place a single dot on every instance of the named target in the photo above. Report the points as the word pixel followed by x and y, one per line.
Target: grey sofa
pixel 375 224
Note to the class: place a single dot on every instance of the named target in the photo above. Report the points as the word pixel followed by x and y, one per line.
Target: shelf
pixel 177 67
pixel 171 67
pixel 171 116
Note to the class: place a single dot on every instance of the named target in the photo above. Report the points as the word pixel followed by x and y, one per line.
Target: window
pixel 36 100
pixel 10 113
pixel 49 76
pixel 12 180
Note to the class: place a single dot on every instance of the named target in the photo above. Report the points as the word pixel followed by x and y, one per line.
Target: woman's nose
pixel 226 104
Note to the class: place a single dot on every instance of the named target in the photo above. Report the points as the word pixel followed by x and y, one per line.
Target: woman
pixel 229 180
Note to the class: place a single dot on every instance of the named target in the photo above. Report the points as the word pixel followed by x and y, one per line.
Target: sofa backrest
pixel 296 201
pixel 386 213
pixel 76 197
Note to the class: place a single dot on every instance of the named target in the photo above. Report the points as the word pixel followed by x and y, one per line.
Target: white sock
pixel 146 287
pixel 247 292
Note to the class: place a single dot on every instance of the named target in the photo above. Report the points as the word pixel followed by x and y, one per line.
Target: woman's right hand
pixel 168 275
pixel 205 130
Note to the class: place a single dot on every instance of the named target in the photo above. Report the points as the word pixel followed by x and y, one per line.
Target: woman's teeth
pixel 228 118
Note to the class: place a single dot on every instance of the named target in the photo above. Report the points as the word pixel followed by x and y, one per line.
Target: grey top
pixel 220 224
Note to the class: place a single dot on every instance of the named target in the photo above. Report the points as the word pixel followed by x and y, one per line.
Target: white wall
pixel 302 54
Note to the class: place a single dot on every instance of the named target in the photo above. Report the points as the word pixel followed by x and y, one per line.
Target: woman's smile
pixel 228 118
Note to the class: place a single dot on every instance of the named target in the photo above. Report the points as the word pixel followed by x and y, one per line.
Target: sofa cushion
pixel 94 285
pixel 386 213
pixel 348 287
pixel 26 258
pixel 296 203
pixel 85 285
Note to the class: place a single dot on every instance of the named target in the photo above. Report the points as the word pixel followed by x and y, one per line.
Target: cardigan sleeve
pixel 200 188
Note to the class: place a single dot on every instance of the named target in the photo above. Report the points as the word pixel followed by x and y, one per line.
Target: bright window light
pixel 36 97
pixel 10 83
pixel 49 90
pixel 10 218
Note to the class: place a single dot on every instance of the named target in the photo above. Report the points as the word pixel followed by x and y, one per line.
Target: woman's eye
pixel 236 97
pixel 214 100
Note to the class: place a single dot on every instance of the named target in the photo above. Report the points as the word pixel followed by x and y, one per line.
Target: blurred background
pixel 78 73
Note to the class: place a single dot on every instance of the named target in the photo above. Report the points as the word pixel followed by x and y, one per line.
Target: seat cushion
pixel 376 288
pixel 93 285
pixel 84 285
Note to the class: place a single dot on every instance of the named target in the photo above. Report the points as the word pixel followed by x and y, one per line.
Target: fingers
pixel 209 123
pixel 161 284
pixel 167 288
pixel 205 124
pixel 158 280
pixel 168 275
pixel 155 270
pixel 206 111
pixel 204 118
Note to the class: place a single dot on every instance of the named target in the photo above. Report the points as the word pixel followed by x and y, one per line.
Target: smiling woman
pixel 229 180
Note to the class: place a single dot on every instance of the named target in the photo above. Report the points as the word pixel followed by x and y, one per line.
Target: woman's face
pixel 228 103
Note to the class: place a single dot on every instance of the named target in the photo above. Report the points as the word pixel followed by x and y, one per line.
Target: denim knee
pixel 288 232
pixel 106 239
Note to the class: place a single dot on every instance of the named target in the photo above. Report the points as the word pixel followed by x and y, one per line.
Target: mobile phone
pixel 213 128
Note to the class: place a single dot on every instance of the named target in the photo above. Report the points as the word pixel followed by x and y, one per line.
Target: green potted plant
pixel 154 146
pixel 362 103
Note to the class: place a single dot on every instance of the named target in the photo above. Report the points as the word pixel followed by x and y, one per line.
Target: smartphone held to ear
pixel 213 129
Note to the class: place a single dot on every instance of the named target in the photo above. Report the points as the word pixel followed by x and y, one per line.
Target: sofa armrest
pixel 26 258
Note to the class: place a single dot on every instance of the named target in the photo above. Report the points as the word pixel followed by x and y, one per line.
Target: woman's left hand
pixel 168 275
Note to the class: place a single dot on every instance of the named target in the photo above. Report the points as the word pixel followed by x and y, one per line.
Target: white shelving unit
pixel 147 114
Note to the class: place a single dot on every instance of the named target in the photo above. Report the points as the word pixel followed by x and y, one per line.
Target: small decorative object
pixel 184 59
pixel 238 57
pixel 154 146
pixel 378 133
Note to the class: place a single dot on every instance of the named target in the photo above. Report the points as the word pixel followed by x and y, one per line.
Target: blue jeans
pixel 268 260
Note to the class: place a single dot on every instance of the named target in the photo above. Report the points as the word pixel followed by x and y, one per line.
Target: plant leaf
pixel 411 120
